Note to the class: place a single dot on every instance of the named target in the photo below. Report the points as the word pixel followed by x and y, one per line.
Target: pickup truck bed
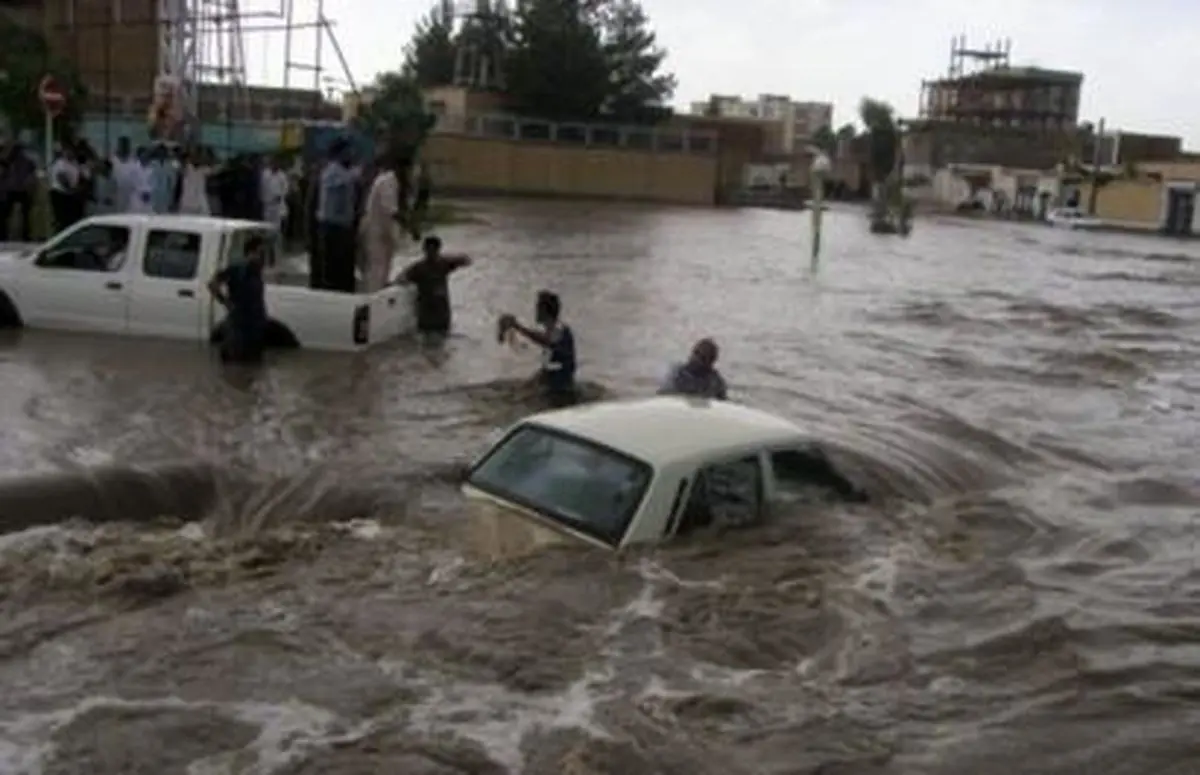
pixel 147 275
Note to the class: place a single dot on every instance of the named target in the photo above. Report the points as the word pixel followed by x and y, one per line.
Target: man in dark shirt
pixel 557 341
pixel 431 277
pixel 239 288
pixel 698 375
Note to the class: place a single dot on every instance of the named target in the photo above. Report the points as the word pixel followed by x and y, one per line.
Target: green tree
pixel 431 53
pixel 25 58
pixel 556 65
pixel 826 140
pixel 879 119
pixel 482 43
pixel 396 117
pixel 638 89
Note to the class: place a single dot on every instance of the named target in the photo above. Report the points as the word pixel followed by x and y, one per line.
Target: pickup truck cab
pixel 618 474
pixel 147 275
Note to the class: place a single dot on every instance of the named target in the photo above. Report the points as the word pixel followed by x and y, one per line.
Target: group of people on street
pixel 159 178
pixel 361 214
pixel 359 217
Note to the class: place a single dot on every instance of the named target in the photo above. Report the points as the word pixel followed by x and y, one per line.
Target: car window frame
pixel 63 244
pixel 557 519
pixel 763 488
pixel 146 253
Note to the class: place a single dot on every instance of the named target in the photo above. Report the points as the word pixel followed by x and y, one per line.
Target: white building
pixel 800 120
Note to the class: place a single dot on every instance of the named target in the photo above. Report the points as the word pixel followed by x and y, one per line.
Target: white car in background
pixel 617 474
pixel 1072 218
pixel 147 275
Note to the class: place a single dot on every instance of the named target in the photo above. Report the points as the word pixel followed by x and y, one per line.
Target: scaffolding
pixel 190 56
pixel 982 88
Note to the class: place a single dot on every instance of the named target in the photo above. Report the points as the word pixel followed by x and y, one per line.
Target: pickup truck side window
pixel 728 494
pixel 95 248
pixel 172 255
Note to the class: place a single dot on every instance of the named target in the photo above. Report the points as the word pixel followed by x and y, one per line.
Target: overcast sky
pixel 1140 58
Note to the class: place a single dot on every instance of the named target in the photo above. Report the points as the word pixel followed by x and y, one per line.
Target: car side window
pixel 172 255
pixel 807 473
pixel 92 248
pixel 728 494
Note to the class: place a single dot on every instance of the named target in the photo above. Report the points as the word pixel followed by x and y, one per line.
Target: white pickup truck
pixel 147 275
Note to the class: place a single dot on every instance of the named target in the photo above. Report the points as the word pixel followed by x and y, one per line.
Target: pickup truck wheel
pixel 9 316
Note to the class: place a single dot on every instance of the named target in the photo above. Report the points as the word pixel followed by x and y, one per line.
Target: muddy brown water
pixel 1023 595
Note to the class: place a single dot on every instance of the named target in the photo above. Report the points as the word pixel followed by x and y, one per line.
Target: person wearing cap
pixel 557 375
pixel 431 276
pixel 698 375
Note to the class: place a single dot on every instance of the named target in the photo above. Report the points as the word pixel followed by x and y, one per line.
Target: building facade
pixel 798 121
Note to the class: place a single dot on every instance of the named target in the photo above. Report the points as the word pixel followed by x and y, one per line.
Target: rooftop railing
pixel 634 138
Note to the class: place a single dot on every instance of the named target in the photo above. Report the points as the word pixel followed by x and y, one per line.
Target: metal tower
pixel 200 41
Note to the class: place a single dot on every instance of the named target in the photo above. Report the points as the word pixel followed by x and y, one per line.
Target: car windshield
pixel 575 482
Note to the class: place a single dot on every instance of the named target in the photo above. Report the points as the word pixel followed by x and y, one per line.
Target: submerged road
pixel 1024 597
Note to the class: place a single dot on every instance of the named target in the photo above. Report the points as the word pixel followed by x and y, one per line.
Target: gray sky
pixel 1140 60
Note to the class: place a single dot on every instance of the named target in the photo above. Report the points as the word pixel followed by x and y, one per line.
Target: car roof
pixel 669 429
pixel 174 221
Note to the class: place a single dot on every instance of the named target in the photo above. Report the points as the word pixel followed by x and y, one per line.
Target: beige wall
pixel 500 166
pixel 1128 201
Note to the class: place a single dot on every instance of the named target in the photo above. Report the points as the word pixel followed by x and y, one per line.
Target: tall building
pixel 798 121
pixel 983 88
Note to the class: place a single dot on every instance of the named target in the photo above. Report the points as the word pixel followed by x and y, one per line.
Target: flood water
pixel 1022 596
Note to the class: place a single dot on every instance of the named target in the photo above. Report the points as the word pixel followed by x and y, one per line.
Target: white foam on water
pixel 362 529
pixel 445 569
pixel 192 531
pixel 654 572
pixel 287 731
pixel 499 719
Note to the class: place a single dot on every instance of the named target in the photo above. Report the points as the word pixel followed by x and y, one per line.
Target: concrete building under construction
pixel 986 111
pixel 983 88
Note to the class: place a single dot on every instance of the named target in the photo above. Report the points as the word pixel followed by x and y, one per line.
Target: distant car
pixel 617 474
pixel 1072 218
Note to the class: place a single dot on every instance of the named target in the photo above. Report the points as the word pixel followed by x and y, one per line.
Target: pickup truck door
pixel 79 281
pixel 165 288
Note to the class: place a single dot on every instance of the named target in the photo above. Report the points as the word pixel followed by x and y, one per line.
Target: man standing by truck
pixel 240 290
pixel 334 253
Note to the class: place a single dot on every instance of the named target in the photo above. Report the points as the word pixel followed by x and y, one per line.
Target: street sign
pixel 52 96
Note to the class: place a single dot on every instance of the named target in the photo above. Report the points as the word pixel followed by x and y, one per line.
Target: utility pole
pixel 1094 194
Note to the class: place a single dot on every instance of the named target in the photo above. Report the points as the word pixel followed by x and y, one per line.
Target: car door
pixel 805 474
pixel 78 282
pixel 165 297
pixel 725 494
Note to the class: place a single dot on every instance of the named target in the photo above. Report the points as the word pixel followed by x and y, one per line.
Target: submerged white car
pixel 617 474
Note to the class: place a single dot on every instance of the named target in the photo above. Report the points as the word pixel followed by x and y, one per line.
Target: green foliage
pixel 826 140
pixel 879 119
pixel 431 53
pixel 556 67
pixel 396 116
pixel 637 87
pixel 25 58
pixel 556 59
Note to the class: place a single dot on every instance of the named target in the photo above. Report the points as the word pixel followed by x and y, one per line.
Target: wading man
pixel 557 375
pixel 239 289
pixel 431 276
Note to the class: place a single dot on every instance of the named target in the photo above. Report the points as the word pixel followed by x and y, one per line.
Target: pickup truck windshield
pixel 572 481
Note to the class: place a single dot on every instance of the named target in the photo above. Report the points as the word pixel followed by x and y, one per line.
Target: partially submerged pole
pixel 816 182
